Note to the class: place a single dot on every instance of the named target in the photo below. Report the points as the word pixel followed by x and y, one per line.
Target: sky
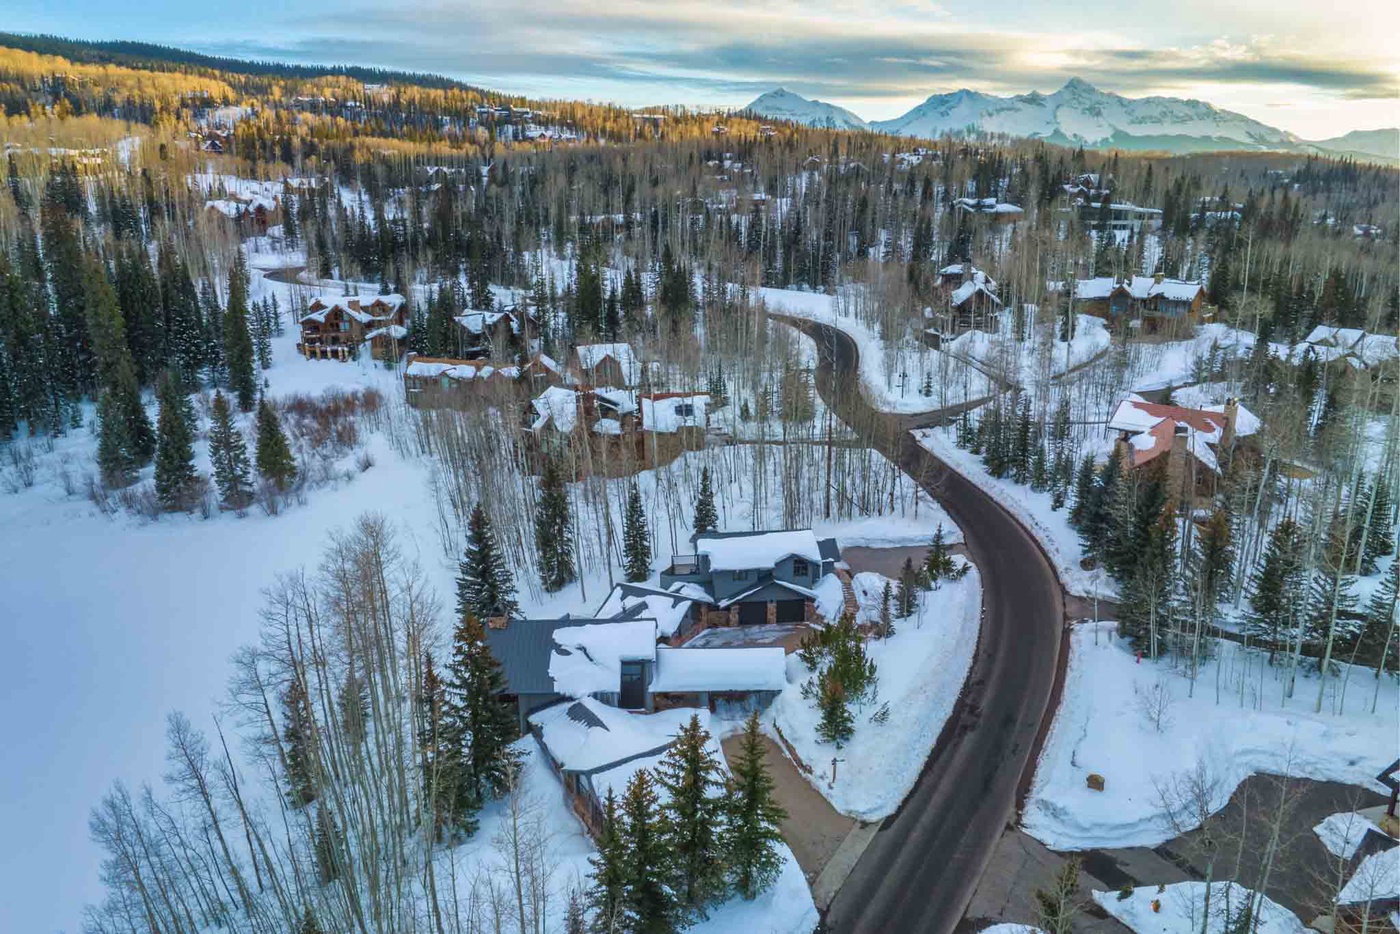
pixel 1293 64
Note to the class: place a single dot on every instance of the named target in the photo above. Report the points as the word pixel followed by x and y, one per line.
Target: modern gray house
pixel 757 577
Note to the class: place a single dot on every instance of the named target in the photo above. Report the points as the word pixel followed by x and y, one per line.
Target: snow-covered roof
pixel 1377 878
pixel 968 289
pixel 591 355
pixel 729 552
pixel 1139 287
pixel 589 736
pixel 1152 426
pixel 588 659
pixel 662 412
pixel 667 607
pixel 682 670
pixel 558 405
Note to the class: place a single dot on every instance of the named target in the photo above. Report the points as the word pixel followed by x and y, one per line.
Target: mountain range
pixel 1080 114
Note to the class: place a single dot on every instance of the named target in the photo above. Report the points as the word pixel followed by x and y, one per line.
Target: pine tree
pixel 753 840
pixel 906 599
pixel 175 473
pixel 327 846
pixel 229 455
pixel 485 585
pixel 706 518
pixel 692 778
pixel 237 341
pixel 636 538
pixel 276 464
pixel 476 722
pixel 648 903
pixel 554 531
pixel 299 741
pixel 309 924
pixel 1277 589
pixel 608 874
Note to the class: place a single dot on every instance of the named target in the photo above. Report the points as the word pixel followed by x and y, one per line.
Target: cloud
pixel 724 50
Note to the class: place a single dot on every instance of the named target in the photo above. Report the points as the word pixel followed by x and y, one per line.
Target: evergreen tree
pixel 476 722
pixel 692 778
pixel 706 518
pixel 175 473
pixel 299 745
pixel 554 530
pixel 906 599
pixel 608 875
pixel 485 585
pixel 1277 588
pixel 753 841
pixel 327 846
pixel 648 904
pixel 239 354
pixel 275 461
pixel 636 538
pixel 229 456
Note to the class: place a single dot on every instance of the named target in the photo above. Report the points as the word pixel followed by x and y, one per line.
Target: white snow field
pixel 1180 909
pixel 1235 725
pixel 921 670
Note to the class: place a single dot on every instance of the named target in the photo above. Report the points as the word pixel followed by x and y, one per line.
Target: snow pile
pixel 921 670
pixel 1180 909
pixel 1343 833
pixel 1233 727
pixel 688 670
pixel 588 659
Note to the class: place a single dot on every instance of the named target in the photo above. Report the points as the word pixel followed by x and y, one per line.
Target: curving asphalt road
pixel 922 867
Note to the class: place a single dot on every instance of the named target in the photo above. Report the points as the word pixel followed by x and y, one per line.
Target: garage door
pixel 791 611
pixel 753 614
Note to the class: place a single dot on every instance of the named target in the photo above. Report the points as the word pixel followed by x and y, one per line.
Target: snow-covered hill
pixel 782 104
pixel 1081 114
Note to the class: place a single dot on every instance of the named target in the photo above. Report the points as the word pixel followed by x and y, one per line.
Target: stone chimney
pixel 1177 466
pixel 1232 415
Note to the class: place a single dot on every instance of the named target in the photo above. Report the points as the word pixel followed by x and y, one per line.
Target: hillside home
pixel 971 297
pixel 1159 303
pixel 606 365
pixel 756 577
pixel 617 662
pixel 333 328
pixel 1180 446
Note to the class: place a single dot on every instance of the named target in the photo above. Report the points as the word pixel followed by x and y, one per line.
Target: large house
pixel 1178 445
pixel 971 297
pixel 1156 301
pixel 756 577
pixel 618 662
pixel 334 328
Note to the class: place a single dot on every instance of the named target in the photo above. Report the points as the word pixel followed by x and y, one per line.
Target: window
pixel 801 567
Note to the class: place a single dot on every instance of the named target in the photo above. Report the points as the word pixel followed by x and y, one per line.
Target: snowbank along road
pixel 921 869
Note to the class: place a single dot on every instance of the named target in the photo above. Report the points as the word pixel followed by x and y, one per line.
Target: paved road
pixel 921 869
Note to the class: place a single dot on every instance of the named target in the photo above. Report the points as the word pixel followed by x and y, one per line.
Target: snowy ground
pixel 891 376
pixel 1043 355
pixel 1180 909
pixel 921 669
pixel 1050 527
pixel 785 908
pixel 1236 725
